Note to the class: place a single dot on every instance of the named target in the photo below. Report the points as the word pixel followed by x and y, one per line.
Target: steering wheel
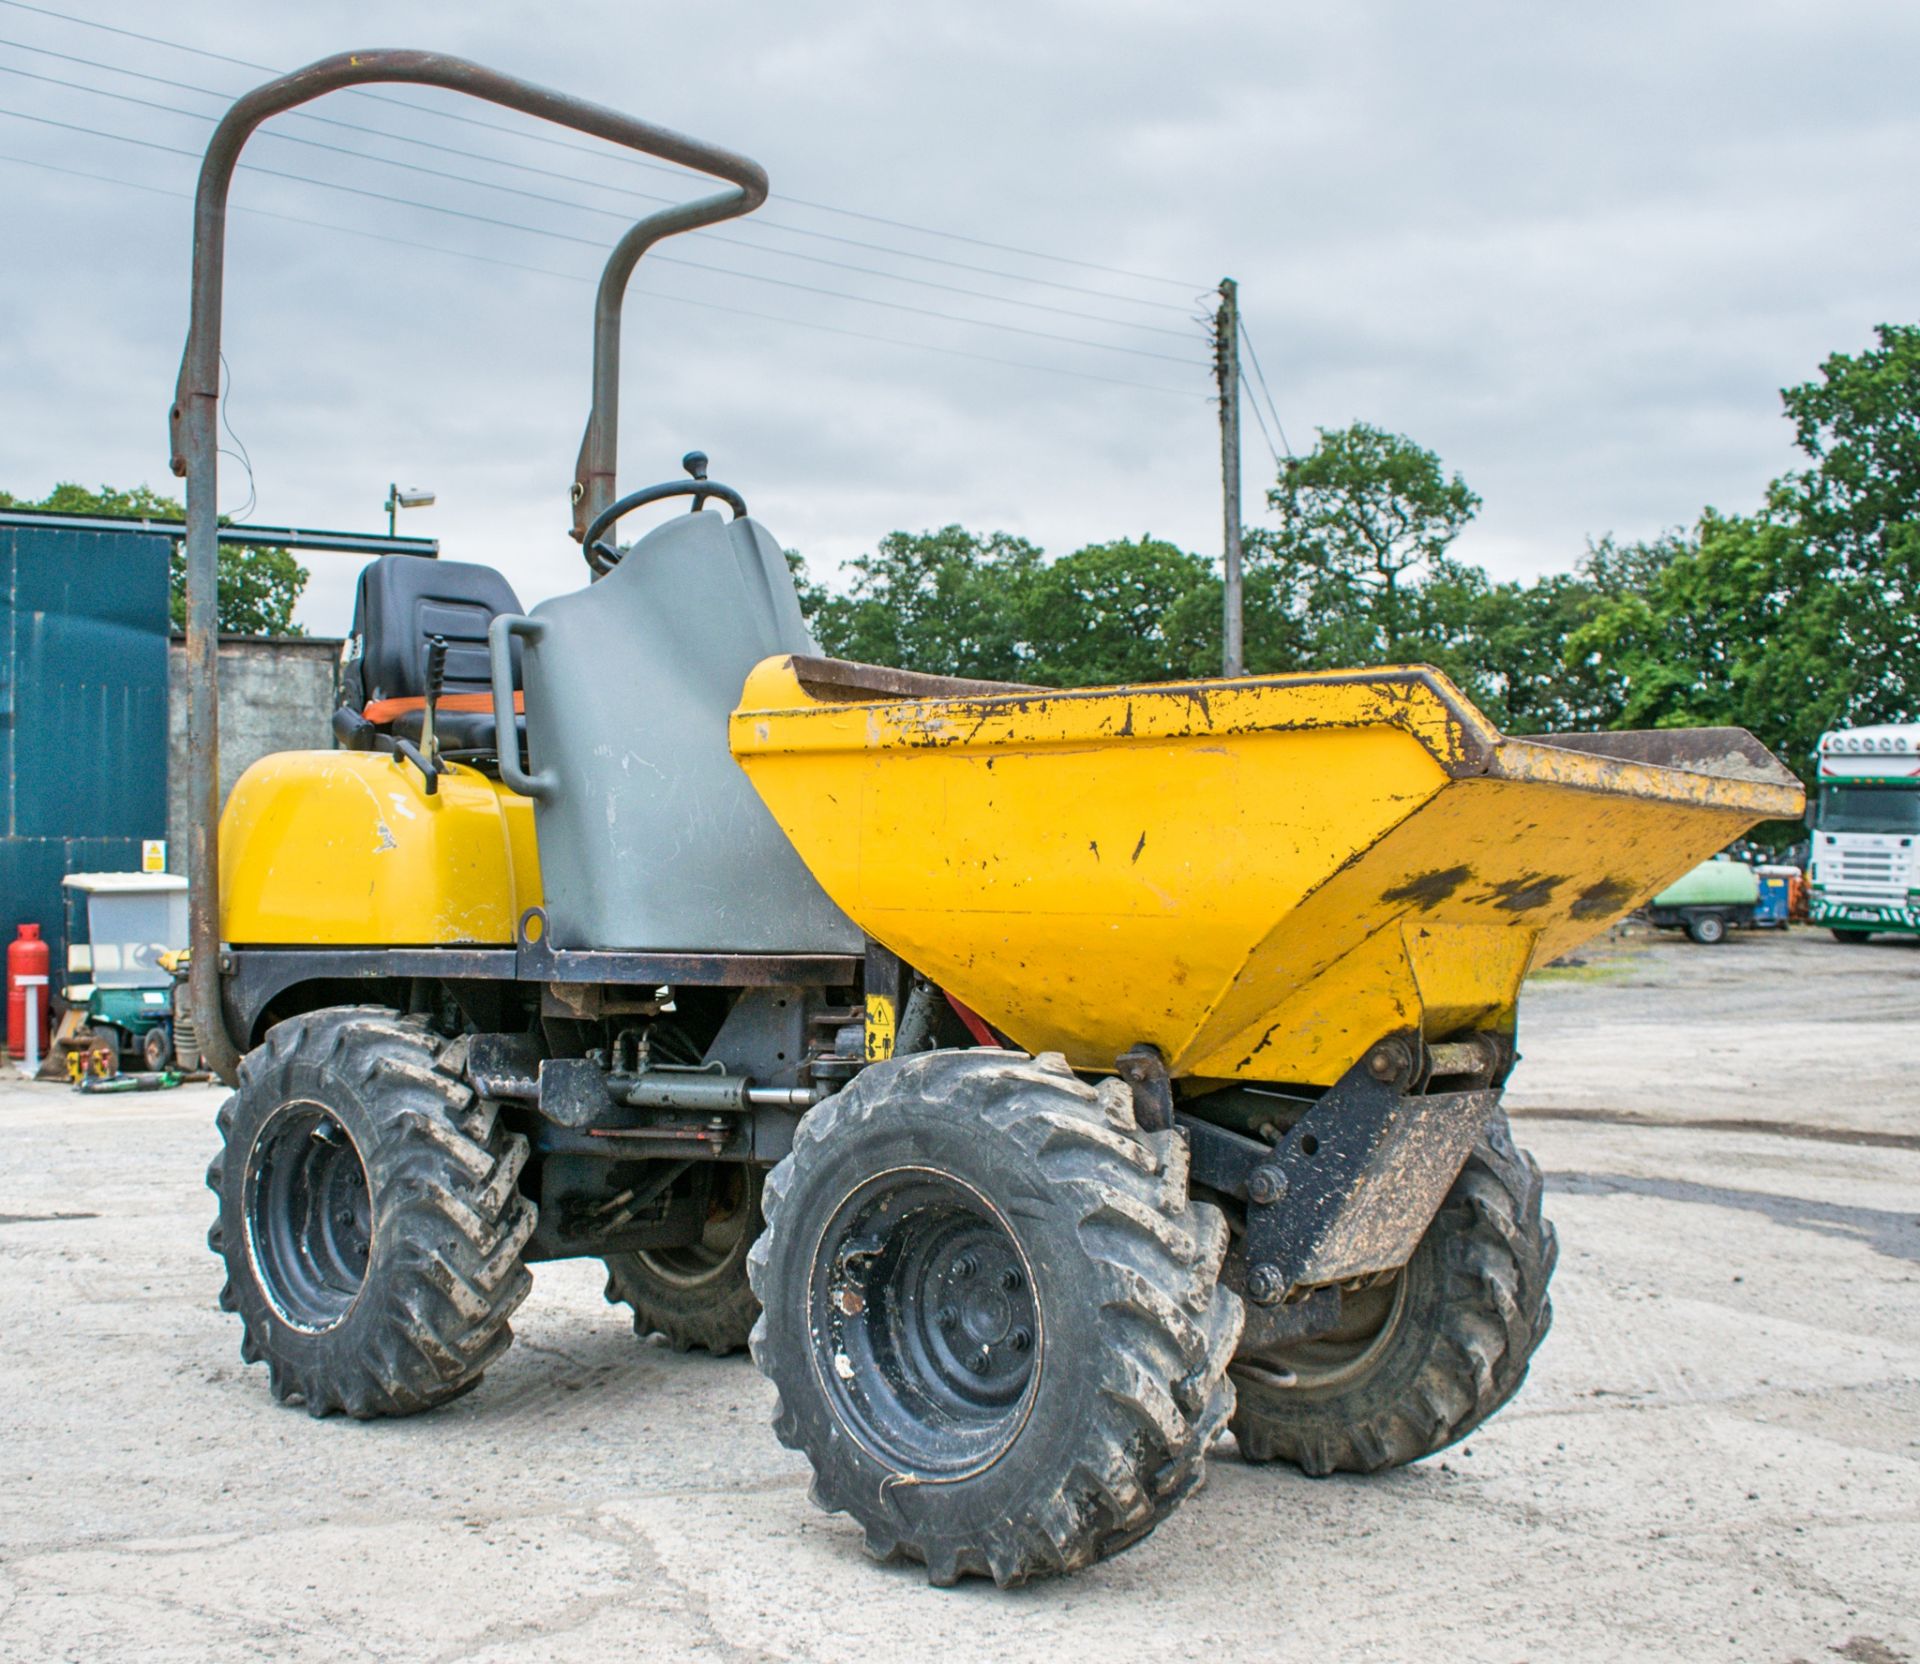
pixel 604 557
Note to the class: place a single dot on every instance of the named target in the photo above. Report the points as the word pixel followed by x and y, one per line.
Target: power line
pixel 759 222
pixel 747 244
pixel 589 242
pixel 549 139
pixel 1261 376
pixel 1260 422
pixel 624 217
pixel 582 278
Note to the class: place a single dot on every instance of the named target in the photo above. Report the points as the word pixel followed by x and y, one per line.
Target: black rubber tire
pixel 1132 1330
pixel 700 1298
pixel 1707 928
pixel 1852 937
pixel 156 1048
pixel 1468 1313
pixel 445 1221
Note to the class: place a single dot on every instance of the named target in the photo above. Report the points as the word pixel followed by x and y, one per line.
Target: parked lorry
pixel 1042 1082
pixel 1864 871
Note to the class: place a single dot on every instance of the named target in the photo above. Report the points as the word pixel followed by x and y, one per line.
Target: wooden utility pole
pixel 1226 369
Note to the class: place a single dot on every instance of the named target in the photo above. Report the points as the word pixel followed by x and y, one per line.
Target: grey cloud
pixel 1576 251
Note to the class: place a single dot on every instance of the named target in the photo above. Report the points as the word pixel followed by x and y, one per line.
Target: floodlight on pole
pixel 412 497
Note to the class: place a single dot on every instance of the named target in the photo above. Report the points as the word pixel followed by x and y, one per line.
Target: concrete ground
pixel 1717 1454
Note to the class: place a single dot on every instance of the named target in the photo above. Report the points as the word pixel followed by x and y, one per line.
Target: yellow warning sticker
pixel 880 1027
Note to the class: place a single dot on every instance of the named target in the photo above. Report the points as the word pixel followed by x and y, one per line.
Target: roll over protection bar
pixel 194 417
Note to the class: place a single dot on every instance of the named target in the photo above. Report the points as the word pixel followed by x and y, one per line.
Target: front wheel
pixel 369 1215
pixel 1855 937
pixel 1424 1357
pixel 993 1314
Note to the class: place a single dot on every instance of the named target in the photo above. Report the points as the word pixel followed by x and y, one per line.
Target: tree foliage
pixel 259 587
pixel 1799 616
pixel 1365 522
pixel 935 601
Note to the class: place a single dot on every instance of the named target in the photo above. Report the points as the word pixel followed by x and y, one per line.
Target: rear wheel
pixel 156 1047
pixel 993 1314
pixel 369 1215
pixel 1853 936
pixel 698 1296
pixel 1423 1358
pixel 1707 928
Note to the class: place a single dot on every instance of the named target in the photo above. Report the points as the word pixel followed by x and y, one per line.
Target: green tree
pixel 1796 618
pixel 259 587
pixel 1522 674
pixel 1740 624
pixel 258 590
pixel 1858 510
pixel 1111 612
pixel 1365 518
pixel 948 603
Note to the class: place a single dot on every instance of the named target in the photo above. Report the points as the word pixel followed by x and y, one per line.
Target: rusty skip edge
pixel 948 712
pixel 1712 767
pixel 1708 768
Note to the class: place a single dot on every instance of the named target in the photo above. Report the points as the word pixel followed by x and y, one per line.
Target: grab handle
pixel 542 784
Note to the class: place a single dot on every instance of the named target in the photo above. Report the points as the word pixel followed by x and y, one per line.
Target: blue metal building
pixel 83 707
pixel 83 694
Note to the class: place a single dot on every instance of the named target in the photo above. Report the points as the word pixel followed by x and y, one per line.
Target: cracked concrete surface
pixel 1717 1455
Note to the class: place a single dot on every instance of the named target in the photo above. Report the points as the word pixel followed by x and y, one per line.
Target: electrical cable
pixel 549 139
pixel 239 453
pixel 1253 352
pixel 583 278
pixel 1261 422
pixel 582 207
pixel 760 223
pixel 568 237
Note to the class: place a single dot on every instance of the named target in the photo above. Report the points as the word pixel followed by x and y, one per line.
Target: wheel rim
pixel 309 1217
pixel 925 1332
pixel 730 1220
pixel 1369 1320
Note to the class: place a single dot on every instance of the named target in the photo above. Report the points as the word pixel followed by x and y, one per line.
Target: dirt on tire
pixel 1461 1325
pixel 371 1102
pixel 1132 1329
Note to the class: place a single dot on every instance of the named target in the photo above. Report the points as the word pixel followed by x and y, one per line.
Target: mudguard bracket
pixel 1353 1185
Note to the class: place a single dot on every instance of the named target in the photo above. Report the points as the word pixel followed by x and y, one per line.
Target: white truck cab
pixel 1865 859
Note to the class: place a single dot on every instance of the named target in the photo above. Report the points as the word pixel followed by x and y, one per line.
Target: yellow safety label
pixel 880 1028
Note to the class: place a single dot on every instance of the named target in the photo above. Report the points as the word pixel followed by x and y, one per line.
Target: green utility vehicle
pixel 121 950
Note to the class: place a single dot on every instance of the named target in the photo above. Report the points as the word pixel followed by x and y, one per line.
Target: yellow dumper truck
pixel 1041 1082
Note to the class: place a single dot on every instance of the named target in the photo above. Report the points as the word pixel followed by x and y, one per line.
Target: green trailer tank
pixel 1709 901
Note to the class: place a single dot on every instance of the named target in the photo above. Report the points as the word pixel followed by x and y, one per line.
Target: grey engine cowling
pixel 651 837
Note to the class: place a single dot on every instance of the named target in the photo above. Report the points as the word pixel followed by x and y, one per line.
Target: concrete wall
pixel 276 694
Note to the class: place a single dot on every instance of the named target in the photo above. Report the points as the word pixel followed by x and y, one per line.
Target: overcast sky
pixel 1575 250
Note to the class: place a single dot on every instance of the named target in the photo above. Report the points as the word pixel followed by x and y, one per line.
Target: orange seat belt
pixel 385 710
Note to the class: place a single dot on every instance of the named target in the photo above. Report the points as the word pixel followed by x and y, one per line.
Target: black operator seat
pixel 403 602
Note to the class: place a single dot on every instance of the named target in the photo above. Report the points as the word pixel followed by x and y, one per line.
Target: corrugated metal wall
pixel 83 712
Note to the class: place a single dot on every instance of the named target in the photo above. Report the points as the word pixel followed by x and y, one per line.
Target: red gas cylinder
pixel 27 957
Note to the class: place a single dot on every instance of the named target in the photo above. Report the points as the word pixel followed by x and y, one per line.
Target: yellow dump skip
pixel 1261 877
